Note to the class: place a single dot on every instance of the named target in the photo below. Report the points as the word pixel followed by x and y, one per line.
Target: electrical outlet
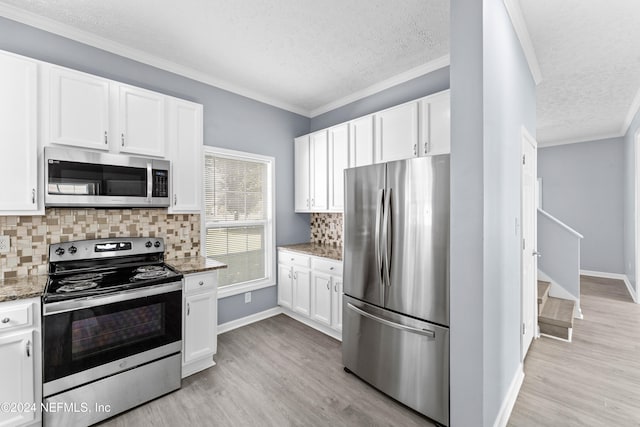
pixel 5 244
pixel 247 297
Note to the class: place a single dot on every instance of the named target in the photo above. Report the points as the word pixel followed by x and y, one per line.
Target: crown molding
pixel 67 31
pixel 554 143
pixel 520 26
pixel 418 71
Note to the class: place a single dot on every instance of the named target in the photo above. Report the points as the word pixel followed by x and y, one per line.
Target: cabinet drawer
pixel 293 258
pixel 15 316
pixel 199 282
pixel 327 266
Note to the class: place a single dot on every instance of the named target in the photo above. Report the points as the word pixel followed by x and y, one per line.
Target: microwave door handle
pixel 149 182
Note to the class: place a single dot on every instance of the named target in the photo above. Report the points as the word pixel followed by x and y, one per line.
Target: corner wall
pixel 630 228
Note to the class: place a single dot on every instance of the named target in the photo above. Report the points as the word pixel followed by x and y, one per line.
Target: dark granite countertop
pixel 22 287
pixel 315 249
pixel 194 264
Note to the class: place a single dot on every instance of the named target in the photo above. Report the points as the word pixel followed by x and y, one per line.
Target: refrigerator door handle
pixel 387 238
pixel 379 209
pixel 425 332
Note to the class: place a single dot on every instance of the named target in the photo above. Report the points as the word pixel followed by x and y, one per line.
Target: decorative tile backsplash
pixel 32 235
pixel 326 228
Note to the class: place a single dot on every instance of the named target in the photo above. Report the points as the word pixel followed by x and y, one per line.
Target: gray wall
pixel 427 84
pixel 582 186
pixel 230 121
pixel 493 96
pixel 629 202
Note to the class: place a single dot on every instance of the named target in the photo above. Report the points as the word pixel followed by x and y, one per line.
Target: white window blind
pixel 238 216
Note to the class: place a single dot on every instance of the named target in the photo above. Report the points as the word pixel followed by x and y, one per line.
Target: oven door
pixel 91 338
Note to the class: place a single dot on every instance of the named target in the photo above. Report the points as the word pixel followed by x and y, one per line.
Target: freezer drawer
pixel 405 358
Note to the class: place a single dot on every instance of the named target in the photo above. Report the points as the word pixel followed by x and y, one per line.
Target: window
pixel 238 219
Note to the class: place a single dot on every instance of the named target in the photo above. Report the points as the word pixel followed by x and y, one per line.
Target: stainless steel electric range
pixel 112 328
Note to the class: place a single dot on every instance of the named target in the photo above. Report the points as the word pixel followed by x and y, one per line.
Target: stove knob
pixel 73 250
pixel 60 251
pixel 157 244
pixel 148 244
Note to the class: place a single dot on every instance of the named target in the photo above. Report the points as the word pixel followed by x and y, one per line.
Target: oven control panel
pixel 104 248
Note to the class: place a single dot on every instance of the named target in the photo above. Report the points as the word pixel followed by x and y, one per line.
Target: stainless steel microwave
pixel 92 179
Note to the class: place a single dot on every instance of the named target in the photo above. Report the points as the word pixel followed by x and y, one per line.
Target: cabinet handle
pixel 175 199
pixel 106 141
pixel 307 202
pixel 426 147
pixel 415 149
pixel 201 283
pixel 313 202
pixel 331 268
pixel 335 287
pixel 28 348
pixel 292 259
pixel 289 274
pixel 33 196
pixel 188 309
pixel 122 139
pixel 295 275
pixel 328 287
pixel 6 320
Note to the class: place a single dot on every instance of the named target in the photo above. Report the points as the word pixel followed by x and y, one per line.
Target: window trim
pixel 270 227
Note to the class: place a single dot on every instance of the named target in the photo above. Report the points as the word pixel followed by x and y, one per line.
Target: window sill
pixel 240 288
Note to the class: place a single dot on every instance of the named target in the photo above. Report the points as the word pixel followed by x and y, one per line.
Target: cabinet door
pixel 17 372
pixel 338 162
pixel 285 285
pixel 361 142
pixel 321 298
pixel 141 121
pixel 185 142
pixel 336 306
pixel 319 168
pixel 302 174
pixel 436 124
pixel 397 133
pixel 301 291
pixel 79 109
pixel 18 133
pixel 200 319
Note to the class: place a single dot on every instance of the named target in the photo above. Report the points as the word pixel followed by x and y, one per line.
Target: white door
pixel 338 162
pixel 321 307
pixel 79 112
pixel 18 133
pixel 361 142
pixel 302 173
pixel 319 170
pixel 185 142
pixel 199 330
pixel 142 122
pixel 397 133
pixel 529 241
pixel 301 291
pixel 17 373
pixel 285 285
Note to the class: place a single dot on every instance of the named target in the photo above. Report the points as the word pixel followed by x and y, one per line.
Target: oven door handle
pixel 88 302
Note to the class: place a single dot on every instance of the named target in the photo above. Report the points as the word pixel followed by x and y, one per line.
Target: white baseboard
pixel 234 324
pixel 510 399
pixel 617 276
pixel 315 325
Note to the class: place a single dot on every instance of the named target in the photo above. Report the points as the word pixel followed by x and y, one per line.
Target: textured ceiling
pixel 303 54
pixel 589 56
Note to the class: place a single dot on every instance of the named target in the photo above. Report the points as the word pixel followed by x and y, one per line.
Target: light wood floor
pixel 593 381
pixel 277 372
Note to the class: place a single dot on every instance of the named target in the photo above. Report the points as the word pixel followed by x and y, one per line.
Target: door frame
pixel 527 138
pixel 636 208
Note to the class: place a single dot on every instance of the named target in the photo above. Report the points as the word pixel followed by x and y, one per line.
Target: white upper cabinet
pixel 79 109
pixel 435 124
pixel 361 147
pixel 18 134
pixel 397 133
pixel 185 149
pixel 338 162
pixel 319 169
pixel 302 174
pixel 141 121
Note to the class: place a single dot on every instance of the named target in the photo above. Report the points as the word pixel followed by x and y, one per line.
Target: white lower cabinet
pixel 310 290
pixel 200 323
pixel 20 370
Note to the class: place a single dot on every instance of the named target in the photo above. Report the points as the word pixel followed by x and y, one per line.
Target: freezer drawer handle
pixel 425 332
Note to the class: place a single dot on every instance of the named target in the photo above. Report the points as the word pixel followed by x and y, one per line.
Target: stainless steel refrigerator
pixel 396 281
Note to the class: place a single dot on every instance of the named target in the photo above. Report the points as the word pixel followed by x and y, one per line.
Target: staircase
pixel 555 315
